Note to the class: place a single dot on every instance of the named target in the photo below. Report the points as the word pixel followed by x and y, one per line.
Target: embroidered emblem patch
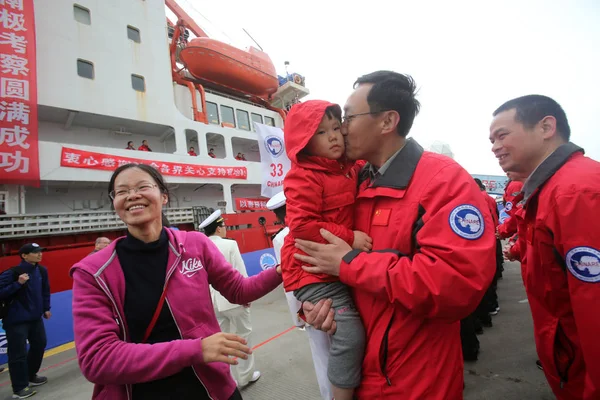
pixel 267 260
pixel 584 264
pixel 508 206
pixel 467 222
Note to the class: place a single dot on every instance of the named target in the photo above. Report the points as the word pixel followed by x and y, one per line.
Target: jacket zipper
pixel 564 377
pixel 384 346
pixel 170 272
pixel 179 330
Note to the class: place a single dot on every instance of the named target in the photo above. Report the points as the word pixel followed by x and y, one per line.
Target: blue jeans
pixel 23 365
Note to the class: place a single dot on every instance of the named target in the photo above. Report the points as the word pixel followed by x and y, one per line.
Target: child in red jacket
pixel 320 189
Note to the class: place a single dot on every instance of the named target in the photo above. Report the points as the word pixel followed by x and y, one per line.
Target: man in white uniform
pixel 232 318
pixel 319 341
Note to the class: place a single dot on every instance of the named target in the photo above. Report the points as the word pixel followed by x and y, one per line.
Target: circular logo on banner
pixel 274 145
pixel 584 264
pixel 467 222
pixel 267 260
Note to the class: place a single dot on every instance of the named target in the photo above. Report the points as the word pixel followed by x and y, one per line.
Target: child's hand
pixel 362 241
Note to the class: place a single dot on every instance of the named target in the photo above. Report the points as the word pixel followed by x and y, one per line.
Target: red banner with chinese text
pixel 75 158
pixel 242 204
pixel 19 155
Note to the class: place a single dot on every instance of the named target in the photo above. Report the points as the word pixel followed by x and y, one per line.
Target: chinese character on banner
pixel 244 204
pixel 19 146
pixel 76 158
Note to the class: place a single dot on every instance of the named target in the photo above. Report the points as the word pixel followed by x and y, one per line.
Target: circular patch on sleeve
pixel 508 206
pixel 584 263
pixel 467 222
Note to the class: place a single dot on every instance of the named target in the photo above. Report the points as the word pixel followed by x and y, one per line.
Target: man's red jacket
pixel 560 230
pixel 433 243
pixel 512 196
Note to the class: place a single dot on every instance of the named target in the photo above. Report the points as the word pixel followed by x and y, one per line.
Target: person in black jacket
pixel 28 287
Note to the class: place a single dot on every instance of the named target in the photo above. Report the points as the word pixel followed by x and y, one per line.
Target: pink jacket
pixel 106 357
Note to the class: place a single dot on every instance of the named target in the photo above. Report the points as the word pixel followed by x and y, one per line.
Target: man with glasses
pixel 430 239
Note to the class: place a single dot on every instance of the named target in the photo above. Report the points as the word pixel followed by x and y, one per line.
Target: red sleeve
pixel 492 207
pixel 576 228
pixel 448 275
pixel 304 205
pixel 508 227
pixel 515 250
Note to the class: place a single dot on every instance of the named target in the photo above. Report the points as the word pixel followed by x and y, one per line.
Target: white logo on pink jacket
pixel 190 266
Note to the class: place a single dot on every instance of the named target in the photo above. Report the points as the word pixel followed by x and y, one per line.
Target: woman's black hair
pixel 153 172
pixel 165 221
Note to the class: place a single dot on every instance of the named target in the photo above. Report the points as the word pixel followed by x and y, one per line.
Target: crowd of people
pixel 390 257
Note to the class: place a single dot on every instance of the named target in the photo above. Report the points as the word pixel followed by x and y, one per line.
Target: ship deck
pixel 505 370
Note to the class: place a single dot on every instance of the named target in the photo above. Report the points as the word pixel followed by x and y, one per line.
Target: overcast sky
pixel 467 57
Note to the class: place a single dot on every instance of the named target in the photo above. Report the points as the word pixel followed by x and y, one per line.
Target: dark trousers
pixel 24 365
pixel 468 338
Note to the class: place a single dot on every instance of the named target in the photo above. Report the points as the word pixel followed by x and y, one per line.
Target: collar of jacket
pixel 25 264
pixel 548 168
pixel 323 164
pixel 400 171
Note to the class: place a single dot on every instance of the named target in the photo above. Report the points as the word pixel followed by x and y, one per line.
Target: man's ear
pixel 390 121
pixel 548 127
pixel 165 199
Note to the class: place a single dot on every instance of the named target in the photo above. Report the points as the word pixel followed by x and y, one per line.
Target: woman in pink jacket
pixel 143 318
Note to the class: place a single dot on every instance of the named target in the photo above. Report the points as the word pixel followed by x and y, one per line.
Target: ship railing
pixel 27 225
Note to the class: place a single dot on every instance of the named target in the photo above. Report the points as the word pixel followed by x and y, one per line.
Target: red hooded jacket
pixel 512 196
pixel 319 193
pixel 559 238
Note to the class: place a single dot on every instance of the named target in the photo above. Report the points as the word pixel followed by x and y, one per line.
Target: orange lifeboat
pixel 250 72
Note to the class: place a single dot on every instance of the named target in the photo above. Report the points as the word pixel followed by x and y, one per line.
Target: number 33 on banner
pixel 276 169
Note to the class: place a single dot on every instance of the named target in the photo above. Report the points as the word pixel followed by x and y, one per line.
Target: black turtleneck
pixel 145 267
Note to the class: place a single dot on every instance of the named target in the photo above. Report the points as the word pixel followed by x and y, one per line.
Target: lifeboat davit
pixel 251 72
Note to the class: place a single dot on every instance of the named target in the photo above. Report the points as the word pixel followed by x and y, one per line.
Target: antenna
pixel 250 36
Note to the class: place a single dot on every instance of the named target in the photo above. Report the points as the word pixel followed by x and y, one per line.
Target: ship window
pixel 269 121
pixel 138 83
pixel 3 202
pixel 82 14
pixel 85 69
pixel 212 112
pixel 256 118
pixel 243 119
pixel 133 34
pixel 227 116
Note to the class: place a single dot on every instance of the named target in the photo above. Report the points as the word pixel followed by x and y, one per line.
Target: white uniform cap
pixel 276 201
pixel 216 216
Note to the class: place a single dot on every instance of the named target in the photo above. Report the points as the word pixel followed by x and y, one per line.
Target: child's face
pixel 328 141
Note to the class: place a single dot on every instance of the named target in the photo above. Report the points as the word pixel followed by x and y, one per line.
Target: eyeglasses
pixel 346 119
pixel 145 188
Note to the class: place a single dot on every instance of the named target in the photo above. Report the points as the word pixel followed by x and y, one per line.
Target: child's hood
pixel 301 124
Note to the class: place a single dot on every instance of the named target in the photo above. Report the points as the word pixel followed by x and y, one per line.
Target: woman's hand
pixel 222 347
